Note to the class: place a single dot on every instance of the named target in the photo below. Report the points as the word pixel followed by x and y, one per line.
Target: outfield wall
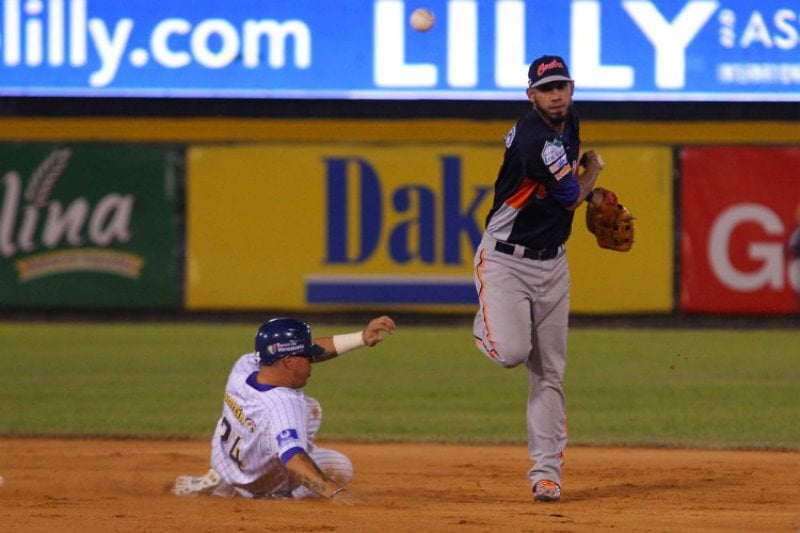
pixel 341 215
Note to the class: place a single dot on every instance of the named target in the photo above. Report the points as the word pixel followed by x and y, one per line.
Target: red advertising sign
pixel 740 206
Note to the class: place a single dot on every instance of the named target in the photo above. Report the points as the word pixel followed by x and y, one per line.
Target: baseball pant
pixel 523 317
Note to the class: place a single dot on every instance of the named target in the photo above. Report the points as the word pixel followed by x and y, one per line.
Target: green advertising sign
pixel 88 226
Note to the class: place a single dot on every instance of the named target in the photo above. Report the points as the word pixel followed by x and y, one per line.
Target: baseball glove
pixel 609 221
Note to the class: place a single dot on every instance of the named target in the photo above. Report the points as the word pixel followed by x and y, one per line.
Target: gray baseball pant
pixel 523 317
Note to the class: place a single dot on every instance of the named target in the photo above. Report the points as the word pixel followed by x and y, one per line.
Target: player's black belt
pixel 530 253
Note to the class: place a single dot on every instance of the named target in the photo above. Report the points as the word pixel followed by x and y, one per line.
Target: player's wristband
pixel 348 341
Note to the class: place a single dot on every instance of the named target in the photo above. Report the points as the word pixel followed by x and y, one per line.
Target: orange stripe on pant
pixel 490 349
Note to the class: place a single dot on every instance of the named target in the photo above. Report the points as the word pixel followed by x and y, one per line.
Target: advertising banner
pixel 360 49
pixel 329 225
pixel 740 208
pixel 88 226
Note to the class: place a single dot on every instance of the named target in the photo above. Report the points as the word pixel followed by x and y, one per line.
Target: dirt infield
pixel 120 485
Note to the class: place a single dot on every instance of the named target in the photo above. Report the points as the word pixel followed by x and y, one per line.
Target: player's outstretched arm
pixel 369 336
pixel 305 471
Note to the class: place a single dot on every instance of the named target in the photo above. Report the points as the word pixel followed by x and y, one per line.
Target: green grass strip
pixel 652 387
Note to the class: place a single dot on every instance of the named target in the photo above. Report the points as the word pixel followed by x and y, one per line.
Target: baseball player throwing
pixel 264 442
pixel 521 271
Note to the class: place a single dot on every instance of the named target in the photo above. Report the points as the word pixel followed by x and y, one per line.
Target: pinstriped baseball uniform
pixel 522 277
pixel 261 428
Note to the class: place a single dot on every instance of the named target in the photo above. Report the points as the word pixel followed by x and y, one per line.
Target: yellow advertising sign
pixel 640 280
pixel 384 226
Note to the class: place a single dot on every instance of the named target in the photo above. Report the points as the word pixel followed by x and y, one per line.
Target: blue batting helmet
pixel 281 337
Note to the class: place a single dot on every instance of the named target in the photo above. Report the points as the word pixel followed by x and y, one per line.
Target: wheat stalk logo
pixel 46 175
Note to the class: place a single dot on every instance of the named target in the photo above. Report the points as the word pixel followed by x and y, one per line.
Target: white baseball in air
pixel 422 19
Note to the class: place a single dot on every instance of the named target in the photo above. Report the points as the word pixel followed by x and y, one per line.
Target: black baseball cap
pixel 547 69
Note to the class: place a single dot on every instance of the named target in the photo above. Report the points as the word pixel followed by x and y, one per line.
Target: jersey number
pixel 225 436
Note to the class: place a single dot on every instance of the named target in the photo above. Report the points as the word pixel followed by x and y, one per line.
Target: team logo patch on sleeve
pixel 286 436
pixel 555 157
pixel 509 136
pixel 552 152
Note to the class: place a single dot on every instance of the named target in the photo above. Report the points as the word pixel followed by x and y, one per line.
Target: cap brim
pixel 550 79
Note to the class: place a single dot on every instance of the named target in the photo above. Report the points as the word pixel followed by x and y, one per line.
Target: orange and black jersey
pixel 536 183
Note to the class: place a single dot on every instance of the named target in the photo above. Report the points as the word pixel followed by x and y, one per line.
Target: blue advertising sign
pixel 723 50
